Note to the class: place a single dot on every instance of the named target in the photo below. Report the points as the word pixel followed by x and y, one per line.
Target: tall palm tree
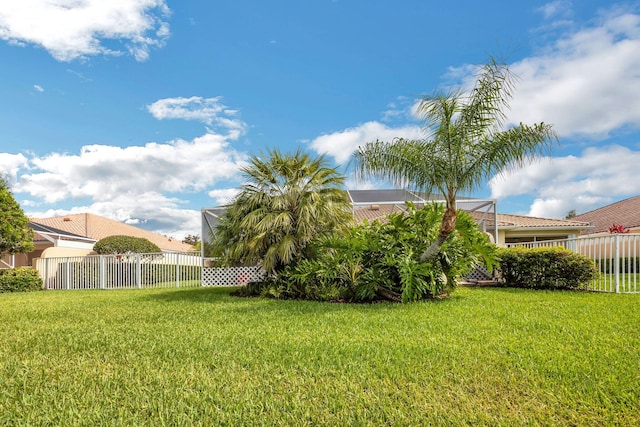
pixel 465 143
pixel 287 200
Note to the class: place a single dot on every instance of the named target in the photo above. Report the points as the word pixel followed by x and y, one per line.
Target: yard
pixel 201 357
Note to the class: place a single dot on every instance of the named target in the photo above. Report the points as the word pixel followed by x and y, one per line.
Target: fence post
pixel 103 272
pixel 68 275
pixel 616 263
pixel 177 258
pixel 138 272
pixel 46 272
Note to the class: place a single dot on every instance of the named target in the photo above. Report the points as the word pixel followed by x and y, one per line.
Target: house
pixel 48 238
pixel 75 234
pixel 377 204
pixel 511 228
pixel 521 228
pixel 625 212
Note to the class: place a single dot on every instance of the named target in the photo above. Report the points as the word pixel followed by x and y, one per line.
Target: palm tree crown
pixel 286 201
pixel 465 143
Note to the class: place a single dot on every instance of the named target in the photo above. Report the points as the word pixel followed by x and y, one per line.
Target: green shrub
pixel 381 261
pixel 125 244
pixel 20 280
pixel 545 268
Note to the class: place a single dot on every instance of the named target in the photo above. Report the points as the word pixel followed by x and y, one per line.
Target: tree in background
pixel 15 235
pixel 125 244
pixel 287 200
pixel 193 240
pixel 465 143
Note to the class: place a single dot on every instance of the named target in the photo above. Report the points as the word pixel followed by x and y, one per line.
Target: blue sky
pixel 145 110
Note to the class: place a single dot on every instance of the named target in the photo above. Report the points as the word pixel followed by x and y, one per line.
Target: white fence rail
pixel 150 270
pixel 616 256
pixel 126 271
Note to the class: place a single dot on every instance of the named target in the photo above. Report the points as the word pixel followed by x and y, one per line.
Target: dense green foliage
pixel 125 244
pixel 465 143
pixel 20 280
pixel 381 261
pixel 287 200
pixel 197 357
pixel 546 268
pixel 15 235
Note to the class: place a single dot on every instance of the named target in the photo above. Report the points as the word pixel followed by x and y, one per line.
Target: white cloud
pixel 342 144
pixel 555 9
pixel 10 164
pixel 559 184
pixel 71 29
pixel 38 88
pixel 206 110
pixel 130 184
pixel 223 196
pixel 586 84
pixel 103 172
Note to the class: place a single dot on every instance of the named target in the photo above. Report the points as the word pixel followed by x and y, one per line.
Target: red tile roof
pixel 521 221
pixel 505 221
pixel 625 212
pixel 98 227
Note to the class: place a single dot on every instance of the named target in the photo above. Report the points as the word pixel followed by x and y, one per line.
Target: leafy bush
pixel 545 268
pixel 125 244
pixel 20 280
pixel 381 261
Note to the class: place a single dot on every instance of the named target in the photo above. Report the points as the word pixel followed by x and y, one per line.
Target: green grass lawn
pixel 201 357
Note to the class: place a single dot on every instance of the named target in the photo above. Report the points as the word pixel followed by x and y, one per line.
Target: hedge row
pixel 546 268
pixel 20 280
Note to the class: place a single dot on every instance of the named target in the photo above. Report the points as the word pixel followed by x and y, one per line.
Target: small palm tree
pixel 286 202
pixel 465 144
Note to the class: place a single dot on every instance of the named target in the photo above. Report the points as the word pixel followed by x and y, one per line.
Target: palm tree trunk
pixel 446 228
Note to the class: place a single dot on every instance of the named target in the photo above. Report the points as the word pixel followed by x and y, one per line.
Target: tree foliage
pixel 20 280
pixel 15 234
pixel 125 244
pixel 287 200
pixel 465 143
pixel 381 261
pixel 193 240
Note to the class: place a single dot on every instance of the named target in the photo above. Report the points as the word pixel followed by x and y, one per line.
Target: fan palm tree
pixel 287 200
pixel 465 143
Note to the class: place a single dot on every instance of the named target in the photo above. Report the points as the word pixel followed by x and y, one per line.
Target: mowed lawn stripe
pixel 203 357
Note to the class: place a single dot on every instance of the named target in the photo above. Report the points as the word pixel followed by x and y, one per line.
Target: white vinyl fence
pixel 150 270
pixel 125 271
pixel 616 256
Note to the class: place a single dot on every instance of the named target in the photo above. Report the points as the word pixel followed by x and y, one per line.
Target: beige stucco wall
pixel 57 251
pixel 531 235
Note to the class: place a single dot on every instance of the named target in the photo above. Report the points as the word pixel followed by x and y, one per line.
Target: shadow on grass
pixel 243 305
pixel 202 294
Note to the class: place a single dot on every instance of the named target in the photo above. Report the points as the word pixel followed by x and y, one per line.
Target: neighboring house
pixel 98 227
pixel 511 228
pixel 46 239
pixel 521 228
pixel 377 204
pixel 625 212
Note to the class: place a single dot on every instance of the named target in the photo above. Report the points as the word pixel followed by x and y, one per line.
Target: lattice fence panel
pixel 480 273
pixel 231 276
